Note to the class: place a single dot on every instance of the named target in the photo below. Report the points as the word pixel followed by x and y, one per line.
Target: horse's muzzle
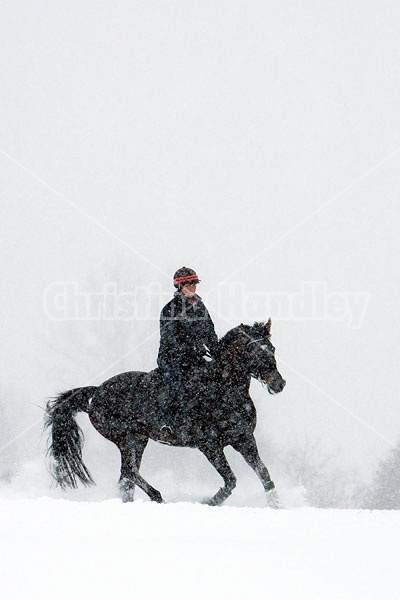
pixel 275 387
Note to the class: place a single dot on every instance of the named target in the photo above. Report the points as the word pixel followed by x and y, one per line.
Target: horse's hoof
pixel 127 498
pixel 127 490
pixel 127 495
pixel 217 499
pixel 156 497
pixel 272 499
pixel 210 502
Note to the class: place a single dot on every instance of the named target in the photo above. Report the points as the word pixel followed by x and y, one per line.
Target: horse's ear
pixel 268 326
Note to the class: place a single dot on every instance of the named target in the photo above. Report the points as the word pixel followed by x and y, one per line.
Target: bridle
pixel 262 346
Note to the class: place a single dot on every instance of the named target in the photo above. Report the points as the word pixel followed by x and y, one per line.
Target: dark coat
pixel 185 326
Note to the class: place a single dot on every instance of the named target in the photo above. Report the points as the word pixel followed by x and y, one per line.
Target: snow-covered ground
pixel 53 548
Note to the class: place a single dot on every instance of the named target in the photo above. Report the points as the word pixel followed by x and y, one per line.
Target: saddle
pixel 181 408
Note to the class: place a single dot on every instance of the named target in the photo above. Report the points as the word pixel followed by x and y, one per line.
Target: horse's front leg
pixel 247 447
pixel 218 460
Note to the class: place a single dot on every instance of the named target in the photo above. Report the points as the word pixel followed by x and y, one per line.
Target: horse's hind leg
pixel 247 447
pixel 132 449
pixel 218 460
pixel 131 458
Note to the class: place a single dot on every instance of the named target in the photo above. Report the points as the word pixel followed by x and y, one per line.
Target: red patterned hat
pixel 184 275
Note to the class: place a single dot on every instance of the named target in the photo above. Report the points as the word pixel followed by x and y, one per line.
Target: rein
pixel 254 341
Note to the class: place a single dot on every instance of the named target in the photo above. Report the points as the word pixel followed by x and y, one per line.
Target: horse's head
pixel 260 355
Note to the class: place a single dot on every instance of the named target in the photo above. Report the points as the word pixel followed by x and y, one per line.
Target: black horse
pixel 130 408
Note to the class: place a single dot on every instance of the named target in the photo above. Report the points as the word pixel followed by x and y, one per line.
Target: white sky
pixel 199 133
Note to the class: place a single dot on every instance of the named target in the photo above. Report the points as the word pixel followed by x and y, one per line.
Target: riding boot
pixel 167 429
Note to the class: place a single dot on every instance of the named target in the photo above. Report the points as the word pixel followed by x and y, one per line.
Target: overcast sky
pixel 257 142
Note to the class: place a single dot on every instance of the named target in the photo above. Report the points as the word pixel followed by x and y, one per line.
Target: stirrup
pixel 165 435
pixel 166 429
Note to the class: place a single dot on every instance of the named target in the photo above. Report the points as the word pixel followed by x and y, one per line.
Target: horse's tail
pixel 67 437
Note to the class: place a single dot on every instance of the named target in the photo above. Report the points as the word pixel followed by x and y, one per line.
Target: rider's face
pixel 189 290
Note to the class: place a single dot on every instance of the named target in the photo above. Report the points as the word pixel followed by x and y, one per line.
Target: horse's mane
pixel 257 329
pixel 228 337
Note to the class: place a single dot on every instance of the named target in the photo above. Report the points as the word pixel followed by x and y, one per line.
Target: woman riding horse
pixel 127 410
pixel 186 334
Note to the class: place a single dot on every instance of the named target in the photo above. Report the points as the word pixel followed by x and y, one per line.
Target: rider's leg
pixel 173 379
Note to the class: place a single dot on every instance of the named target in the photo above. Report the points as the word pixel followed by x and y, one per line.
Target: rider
pixel 187 335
